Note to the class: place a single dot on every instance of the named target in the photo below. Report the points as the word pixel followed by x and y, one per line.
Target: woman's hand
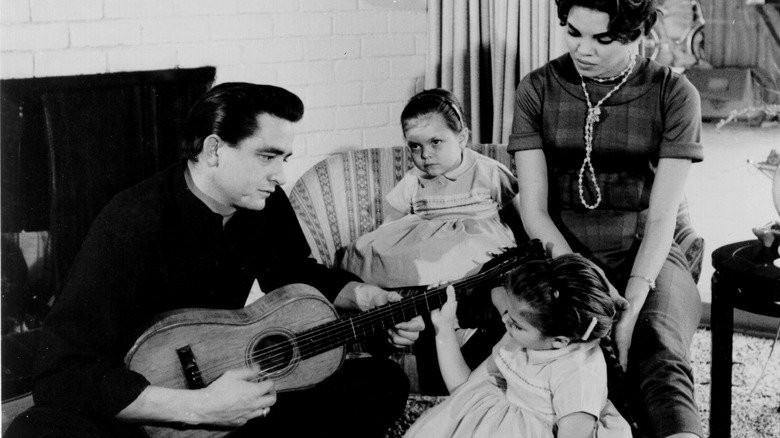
pixel 637 290
pixel 665 199
pixel 444 318
pixel 624 331
pixel 621 304
pixel 627 317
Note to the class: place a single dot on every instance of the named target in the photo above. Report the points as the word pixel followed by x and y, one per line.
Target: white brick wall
pixel 136 8
pixel 105 34
pixel 72 62
pixel 66 10
pixel 361 23
pixel 17 65
pixel 245 27
pixel 13 11
pixel 354 63
pixel 33 37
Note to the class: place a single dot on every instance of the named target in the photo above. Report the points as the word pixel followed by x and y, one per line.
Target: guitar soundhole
pixel 276 353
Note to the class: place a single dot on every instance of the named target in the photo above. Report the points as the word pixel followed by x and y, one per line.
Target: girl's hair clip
pixel 590 329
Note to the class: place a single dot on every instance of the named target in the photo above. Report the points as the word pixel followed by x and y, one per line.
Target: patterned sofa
pixel 343 197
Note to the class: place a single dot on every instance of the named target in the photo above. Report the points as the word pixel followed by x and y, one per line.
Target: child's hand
pixel 444 318
pixel 452 365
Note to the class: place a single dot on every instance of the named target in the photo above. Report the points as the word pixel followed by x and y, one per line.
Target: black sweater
pixel 155 248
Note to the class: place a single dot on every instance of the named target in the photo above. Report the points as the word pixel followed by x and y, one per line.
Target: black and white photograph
pixel 390 218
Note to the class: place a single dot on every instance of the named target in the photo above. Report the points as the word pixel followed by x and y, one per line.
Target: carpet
pixel 754 412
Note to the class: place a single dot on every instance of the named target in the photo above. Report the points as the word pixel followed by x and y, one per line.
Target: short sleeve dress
pixel 450 230
pixel 655 114
pixel 523 393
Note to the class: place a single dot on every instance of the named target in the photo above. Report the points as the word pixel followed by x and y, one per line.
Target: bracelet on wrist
pixel 650 281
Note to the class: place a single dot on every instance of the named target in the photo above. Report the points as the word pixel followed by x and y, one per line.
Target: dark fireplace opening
pixel 69 144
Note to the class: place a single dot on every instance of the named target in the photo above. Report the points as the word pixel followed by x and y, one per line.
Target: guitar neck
pixel 358 327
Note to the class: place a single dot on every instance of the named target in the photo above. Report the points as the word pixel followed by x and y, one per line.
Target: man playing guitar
pixel 215 231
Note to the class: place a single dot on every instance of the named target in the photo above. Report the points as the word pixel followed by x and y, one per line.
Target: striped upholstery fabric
pixel 343 197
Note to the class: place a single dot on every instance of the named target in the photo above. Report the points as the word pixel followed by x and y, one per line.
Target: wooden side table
pixel 745 279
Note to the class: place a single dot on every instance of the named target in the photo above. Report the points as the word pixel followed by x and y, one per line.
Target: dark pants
pixel 363 399
pixel 659 374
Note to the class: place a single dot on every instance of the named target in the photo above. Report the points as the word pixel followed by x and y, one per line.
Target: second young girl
pixel 547 376
pixel 444 222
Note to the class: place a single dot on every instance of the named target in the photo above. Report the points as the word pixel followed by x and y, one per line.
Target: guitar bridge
pixel 190 368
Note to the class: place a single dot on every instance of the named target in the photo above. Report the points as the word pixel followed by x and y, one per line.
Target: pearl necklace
pixel 594 111
pixel 609 79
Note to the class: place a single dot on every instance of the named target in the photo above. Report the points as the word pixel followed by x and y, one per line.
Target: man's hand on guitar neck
pixel 231 400
pixel 361 297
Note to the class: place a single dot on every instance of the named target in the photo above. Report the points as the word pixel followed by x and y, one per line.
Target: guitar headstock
pixel 492 272
pixel 502 264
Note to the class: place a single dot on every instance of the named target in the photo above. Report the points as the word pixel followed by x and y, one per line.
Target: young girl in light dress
pixel 444 222
pixel 547 376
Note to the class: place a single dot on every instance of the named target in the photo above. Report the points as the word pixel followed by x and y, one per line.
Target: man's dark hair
pixel 230 111
pixel 628 19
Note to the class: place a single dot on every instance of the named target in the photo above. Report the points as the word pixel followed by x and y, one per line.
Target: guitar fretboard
pixel 344 330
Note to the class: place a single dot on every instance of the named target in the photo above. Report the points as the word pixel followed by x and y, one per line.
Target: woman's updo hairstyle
pixel 434 101
pixel 628 19
pixel 563 296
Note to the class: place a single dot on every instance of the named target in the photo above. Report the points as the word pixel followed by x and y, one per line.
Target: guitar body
pixel 218 340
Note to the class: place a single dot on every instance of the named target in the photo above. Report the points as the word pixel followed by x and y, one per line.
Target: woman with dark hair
pixel 603 141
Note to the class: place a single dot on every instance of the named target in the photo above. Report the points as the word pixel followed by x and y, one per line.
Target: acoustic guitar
pixel 294 334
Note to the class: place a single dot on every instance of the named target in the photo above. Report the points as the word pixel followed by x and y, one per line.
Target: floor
pixel 728 196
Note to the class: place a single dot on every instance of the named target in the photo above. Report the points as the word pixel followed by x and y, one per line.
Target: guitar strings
pixel 310 340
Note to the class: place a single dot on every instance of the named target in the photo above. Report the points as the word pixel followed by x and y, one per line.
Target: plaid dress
pixel 653 115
